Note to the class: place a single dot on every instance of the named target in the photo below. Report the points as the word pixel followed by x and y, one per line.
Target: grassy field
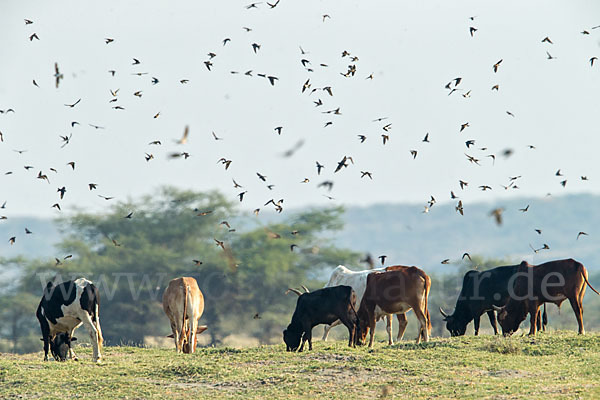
pixel 560 364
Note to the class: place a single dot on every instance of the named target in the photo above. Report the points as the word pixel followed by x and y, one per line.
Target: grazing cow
pixel 480 292
pixel 63 308
pixel 183 303
pixel 551 282
pixel 394 292
pixel 323 306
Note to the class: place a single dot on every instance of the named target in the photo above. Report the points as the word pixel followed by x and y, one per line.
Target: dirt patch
pixel 331 357
pixel 509 373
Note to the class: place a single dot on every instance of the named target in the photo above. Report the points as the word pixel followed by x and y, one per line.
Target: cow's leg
pixel 97 325
pixel 372 324
pixel 492 317
pixel 89 325
pixel 578 310
pixel 327 328
pixel 402 322
pixel 175 335
pixel 423 321
pixel 71 352
pixel 476 322
pixel 350 322
pixel 303 340
pixel 538 318
pixel 46 346
pixel 192 338
pixel 533 318
pixel 388 328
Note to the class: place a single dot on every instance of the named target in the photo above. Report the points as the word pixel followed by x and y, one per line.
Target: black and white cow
pixel 63 308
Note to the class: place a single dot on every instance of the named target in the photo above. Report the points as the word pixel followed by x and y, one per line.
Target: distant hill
pixel 408 236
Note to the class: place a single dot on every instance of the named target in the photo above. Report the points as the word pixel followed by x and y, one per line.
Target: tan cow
pixel 183 303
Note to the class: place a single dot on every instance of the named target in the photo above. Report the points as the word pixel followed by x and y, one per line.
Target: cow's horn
pixel 443 313
pixel 294 291
pixel 305 289
pixel 497 309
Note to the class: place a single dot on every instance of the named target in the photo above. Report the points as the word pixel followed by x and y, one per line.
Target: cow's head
pixel 60 345
pixel 186 345
pixel 510 316
pixel 291 338
pixel 455 325
pixel 362 329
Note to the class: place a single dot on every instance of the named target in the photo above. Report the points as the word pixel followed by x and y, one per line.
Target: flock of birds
pixel 319 94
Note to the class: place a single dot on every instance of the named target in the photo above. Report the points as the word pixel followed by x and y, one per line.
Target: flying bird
pixel 459 207
pixel 74 104
pixel 184 138
pixel 580 234
pixel 495 66
pixel 497 214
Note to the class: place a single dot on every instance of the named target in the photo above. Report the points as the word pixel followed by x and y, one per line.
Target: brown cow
pixel 402 321
pixel 394 292
pixel 534 285
pixel 183 303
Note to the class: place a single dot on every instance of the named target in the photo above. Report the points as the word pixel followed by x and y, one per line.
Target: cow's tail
pixel 585 278
pixel 426 311
pixel 184 332
pixel 356 322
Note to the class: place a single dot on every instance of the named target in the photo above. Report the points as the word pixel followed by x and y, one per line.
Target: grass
pixel 550 365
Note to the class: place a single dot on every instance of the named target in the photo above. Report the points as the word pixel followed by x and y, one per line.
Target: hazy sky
pixel 412 48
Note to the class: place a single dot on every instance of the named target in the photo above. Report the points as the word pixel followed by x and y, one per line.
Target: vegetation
pixel 547 366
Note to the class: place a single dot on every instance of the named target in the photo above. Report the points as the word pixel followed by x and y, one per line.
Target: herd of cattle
pixel 512 291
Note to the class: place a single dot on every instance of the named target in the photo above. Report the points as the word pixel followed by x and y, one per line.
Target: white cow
pixel 63 308
pixel 357 280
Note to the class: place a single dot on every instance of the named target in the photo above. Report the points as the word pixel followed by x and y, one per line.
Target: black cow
pixel 323 306
pixel 480 292
pixel 60 346
pixel 63 308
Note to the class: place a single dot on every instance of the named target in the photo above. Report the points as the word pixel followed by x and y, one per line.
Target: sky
pixel 412 49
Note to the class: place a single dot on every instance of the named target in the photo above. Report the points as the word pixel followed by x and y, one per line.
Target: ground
pixel 550 365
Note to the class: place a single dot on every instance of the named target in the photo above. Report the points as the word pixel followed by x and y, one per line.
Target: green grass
pixel 560 364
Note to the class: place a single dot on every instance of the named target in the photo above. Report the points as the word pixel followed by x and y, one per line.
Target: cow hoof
pixel 75 359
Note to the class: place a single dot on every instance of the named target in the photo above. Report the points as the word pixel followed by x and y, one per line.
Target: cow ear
pixel 42 339
pixel 171 335
pixel 201 329
pixel 73 339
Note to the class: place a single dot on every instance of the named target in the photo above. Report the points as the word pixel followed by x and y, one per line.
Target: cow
pixel 480 293
pixel 323 306
pixel 394 292
pixel 551 282
pixel 63 308
pixel 183 303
